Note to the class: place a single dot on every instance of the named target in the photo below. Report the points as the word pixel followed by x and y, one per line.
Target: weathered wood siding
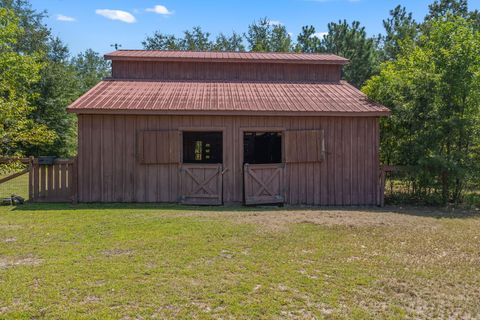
pixel 150 70
pixel 109 170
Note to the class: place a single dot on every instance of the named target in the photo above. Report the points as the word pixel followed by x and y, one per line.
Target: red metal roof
pixel 214 98
pixel 256 57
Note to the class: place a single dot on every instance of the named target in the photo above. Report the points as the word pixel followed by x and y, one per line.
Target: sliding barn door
pixel 201 184
pixel 264 183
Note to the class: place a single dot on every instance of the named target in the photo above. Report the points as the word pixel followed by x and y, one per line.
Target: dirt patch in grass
pixel 202 306
pixel 422 298
pixel 280 220
pixel 91 299
pixel 166 311
pixel 8 227
pixel 117 252
pixel 9 262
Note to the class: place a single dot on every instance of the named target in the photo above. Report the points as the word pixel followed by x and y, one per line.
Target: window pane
pixel 262 147
pixel 198 150
pixel 202 147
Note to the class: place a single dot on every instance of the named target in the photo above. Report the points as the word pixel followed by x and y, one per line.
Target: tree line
pixel 345 39
pixel 431 82
pixel 39 79
pixel 427 72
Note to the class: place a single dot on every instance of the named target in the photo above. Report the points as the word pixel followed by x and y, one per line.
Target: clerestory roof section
pixel 226 98
pixel 239 57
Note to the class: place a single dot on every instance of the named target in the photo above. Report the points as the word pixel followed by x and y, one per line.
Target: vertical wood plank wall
pixel 225 71
pixel 109 171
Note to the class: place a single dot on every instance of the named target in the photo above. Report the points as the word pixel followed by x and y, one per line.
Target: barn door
pixel 201 184
pixel 264 183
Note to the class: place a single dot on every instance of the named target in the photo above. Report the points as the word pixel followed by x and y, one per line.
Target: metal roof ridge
pixel 227 52
pixel 229 56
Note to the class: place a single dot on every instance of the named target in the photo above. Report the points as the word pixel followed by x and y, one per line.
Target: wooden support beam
pixel 4 160
pixel 15 175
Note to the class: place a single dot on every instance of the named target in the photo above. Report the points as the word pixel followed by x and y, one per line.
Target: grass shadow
pixel 432 212
pixel 133 206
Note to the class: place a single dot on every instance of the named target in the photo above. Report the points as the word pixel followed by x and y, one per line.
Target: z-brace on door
pixel 201 184
pixel 201 171
pixel 263 168
pixel 264 183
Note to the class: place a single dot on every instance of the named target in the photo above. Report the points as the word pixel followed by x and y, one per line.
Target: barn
pixel 213 128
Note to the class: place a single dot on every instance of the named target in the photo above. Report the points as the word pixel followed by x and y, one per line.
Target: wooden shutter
pixel 158 147
pixel 303 146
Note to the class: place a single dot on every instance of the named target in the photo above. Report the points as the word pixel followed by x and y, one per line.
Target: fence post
pixel 36 180
pixel 30 178
pixel 74 180
pixel 381 192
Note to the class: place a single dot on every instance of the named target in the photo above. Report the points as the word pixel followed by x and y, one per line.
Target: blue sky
pixel 93 24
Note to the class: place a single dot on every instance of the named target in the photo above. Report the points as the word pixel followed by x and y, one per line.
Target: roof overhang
pixel 228 113
pixel 227 98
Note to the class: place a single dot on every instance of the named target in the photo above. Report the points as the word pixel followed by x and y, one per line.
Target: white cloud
pixel 120 15
pixel 160 10
pixel 320 35
pixel 61 17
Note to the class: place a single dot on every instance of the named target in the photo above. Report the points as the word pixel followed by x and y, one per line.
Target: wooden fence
pixel 384 169
pixel 55 181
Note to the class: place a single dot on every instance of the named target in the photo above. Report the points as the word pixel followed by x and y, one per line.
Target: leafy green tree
pixel 35 35
pixel 433 90
pixel 54 82
pixel 265 36
pixel 160 41
pixel 442 8
pixel 90 68
pixel 258 35
pixel 231 43
pixel 59 81
pixel 399 27
pixel 57 88
pixel 280 39
pixel 196 40
pixel 351 42
pixel 307 41
pixel 62 81
pixel 19 74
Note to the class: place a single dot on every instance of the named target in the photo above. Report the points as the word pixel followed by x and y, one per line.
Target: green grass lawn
pixel 17 186
pixel 155 262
